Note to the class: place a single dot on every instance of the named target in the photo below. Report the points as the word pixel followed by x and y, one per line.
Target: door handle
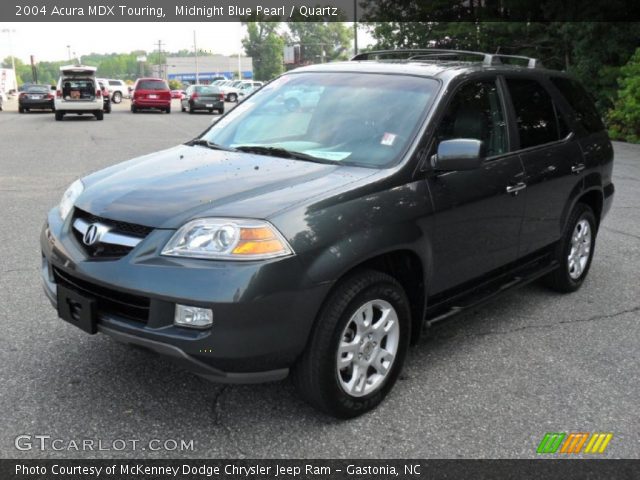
pixel 514 189
pixel 577 168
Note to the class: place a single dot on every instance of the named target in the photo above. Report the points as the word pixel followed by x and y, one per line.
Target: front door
pixel 478 213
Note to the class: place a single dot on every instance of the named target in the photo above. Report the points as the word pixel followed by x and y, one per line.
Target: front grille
pixel 104 250
pixel 120 227
pixel 108 301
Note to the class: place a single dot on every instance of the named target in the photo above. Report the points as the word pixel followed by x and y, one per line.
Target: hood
pixel 165 189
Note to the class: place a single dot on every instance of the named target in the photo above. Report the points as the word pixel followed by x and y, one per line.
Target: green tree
pixel 266 47
pixel 321 42
pixel 624 118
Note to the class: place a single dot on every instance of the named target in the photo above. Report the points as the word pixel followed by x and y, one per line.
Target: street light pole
pixel 69 51
pixel 9 31
pixel 195 49
pixel 355 27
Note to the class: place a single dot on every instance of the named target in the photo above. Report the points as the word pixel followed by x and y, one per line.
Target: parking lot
pixel 490 383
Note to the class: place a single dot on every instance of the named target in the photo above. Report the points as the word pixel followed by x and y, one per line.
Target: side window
pixel 535 113
pixel 476 112
pixel 578 98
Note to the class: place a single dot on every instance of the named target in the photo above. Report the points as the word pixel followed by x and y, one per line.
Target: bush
pixel 624 118
pixel 175 85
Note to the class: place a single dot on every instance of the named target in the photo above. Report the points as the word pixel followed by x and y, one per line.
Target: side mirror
pixel 458 154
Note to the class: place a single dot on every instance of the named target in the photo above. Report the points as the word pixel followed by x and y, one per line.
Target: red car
pixel 151 93
pixel 179 94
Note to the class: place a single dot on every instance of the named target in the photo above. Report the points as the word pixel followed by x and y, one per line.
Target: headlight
pixel 69 197
pixel 227 239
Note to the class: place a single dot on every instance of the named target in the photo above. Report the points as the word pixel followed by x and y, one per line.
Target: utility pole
pixel 159 63
pixel 69 52
pixel 195 49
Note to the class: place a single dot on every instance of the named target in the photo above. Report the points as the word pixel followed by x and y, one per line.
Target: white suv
pixel 118 88
pixel 78 92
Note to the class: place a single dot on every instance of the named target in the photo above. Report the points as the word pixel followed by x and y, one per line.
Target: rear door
pixel 478 212
pixel 549 156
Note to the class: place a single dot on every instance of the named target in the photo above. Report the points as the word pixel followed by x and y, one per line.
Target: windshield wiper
pixel 201 142
pixel 282 153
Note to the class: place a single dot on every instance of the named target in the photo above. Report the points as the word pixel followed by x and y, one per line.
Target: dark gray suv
pixel 322 235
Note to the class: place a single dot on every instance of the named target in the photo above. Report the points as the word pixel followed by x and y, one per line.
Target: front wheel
pixel 117 97
pixel 233 97
pixel 575 251
pixel 59 115
pixel 357 347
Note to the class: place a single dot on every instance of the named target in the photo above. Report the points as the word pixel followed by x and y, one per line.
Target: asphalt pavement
pixel 489 383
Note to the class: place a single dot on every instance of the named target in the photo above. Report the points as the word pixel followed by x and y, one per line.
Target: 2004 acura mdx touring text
pixel 320 236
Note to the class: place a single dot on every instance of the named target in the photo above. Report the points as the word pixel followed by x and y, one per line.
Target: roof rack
pixel 437 54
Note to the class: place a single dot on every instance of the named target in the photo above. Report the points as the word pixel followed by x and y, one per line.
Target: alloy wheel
pixel 368 347
pixel 580 249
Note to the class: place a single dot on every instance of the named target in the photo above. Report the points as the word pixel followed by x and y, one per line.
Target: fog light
pixel 196 317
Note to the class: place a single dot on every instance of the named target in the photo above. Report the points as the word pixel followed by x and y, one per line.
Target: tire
pixel 317 375
pixel 20 109
pixel 134 109
pixel 59 115
pixel 575 250
pixel 117 97
pixel 210 110
pixel 168 109
pixel 182 109
pixel 233 97
pixel 221 111
pixel 107 109
pixel 190 109
pixel 99 115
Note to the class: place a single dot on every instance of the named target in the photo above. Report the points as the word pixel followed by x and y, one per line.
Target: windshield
pixel 207 90
pixel 38 89
pixel 350 118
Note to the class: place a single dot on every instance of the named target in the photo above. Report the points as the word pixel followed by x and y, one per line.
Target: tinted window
pixel 535 113
pixel 152 85
pixel 115 82
pixel 476 112
pixel 207 90
pixel 38 89
pixel 578 98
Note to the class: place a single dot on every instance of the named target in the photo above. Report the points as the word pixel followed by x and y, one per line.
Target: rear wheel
pixel 358 346
pixel 107 109
pixel 21 109
pixel 59 115
pixel 221 111
pixel 99 115
pixel 233 97
pixel 117 97
pixel 134 109
pixel 182 109
pixel 168 109
pixel 574 251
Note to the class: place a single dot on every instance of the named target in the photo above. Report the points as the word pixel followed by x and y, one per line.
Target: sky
pixel 48 41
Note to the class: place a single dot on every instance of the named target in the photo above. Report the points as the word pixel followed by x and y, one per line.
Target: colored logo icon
pixel 574 442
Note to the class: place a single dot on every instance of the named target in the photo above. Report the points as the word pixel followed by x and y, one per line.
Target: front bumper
pixel 263 311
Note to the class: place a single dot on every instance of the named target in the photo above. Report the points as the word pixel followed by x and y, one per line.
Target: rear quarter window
pixel 585 111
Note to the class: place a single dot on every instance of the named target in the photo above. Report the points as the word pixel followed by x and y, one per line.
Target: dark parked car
pixel 106 96
pixel 323 240
pixel 203 97
pixel 36 97
pixel 151 93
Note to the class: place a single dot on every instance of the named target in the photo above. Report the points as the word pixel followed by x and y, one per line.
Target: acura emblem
pixel 92 235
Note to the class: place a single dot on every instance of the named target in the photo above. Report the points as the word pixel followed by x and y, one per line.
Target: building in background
pixel 183 69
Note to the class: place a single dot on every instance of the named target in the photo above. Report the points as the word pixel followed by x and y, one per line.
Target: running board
pixel 488 290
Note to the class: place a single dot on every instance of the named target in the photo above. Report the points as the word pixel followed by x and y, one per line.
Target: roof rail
pixel 436 54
